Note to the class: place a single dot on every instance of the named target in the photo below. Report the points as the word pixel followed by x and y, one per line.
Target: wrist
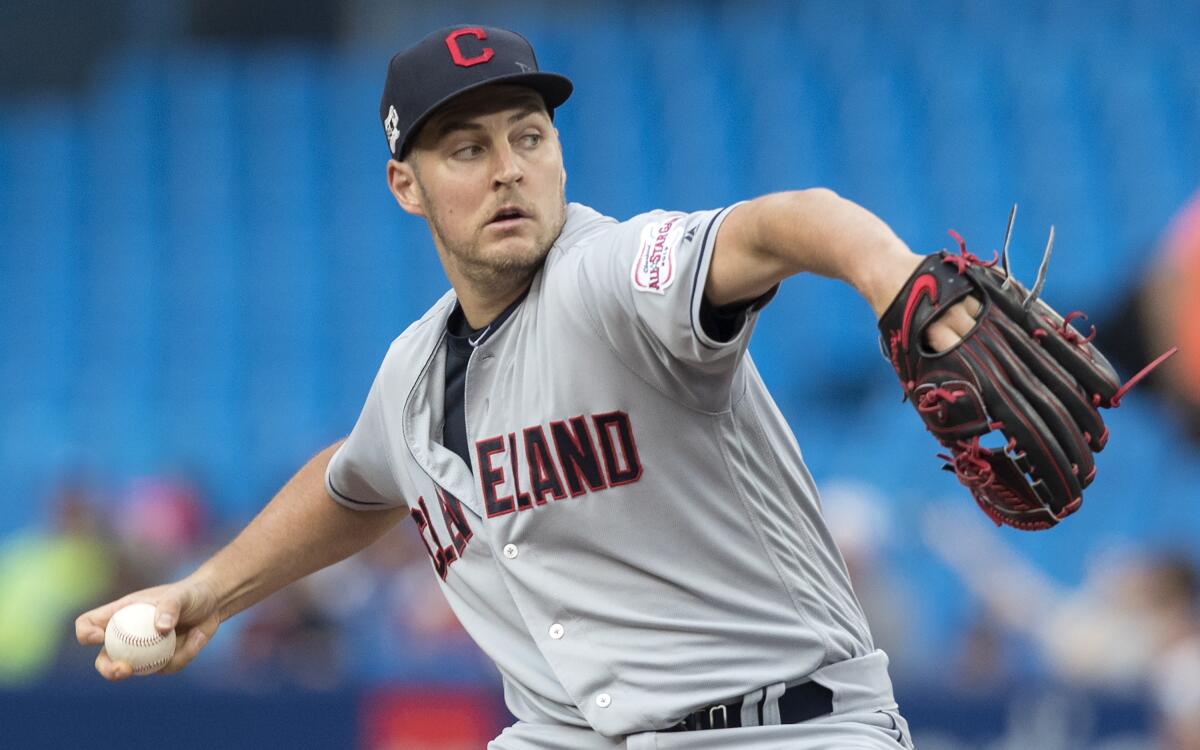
pixel 883 274
pixel 205 585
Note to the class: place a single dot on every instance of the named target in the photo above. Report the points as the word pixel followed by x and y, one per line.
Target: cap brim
pixel 554 89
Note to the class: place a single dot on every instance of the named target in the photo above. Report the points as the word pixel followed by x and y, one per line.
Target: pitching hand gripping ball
pixel 132 638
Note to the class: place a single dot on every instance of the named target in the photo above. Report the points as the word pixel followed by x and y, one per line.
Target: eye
pixel 531 140
pixel 467 152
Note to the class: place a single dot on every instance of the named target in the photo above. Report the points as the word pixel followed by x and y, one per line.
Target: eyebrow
pixel 449 126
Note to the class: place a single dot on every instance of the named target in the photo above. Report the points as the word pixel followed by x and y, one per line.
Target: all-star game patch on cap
pixel 449 62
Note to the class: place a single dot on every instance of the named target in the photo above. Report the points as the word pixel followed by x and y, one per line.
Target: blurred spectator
pixel 46 575
pixel 399 622
pixel 1174 591
pixel 288 641
pixel 1164 311
pixel 377 617
pixel 984 664
pixel 162 522
pixel 860 520
pixel 1171 306
pixel 1132 626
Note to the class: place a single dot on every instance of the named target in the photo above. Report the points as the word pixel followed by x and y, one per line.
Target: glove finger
pixel 1061 383
pixel 1044 383
pixel 1005 502
pixel 1083 360
pixel 1036 450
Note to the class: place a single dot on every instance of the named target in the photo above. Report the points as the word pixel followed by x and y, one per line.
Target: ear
pixel 402 181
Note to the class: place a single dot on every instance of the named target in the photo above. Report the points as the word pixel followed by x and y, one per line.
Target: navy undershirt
pixel 461 340
pixel 720 323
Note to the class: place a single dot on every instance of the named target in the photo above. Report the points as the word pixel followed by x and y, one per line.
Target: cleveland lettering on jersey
pixel 543 472
pixel 578 456
pixel 592 455
pixel 455 523
pixel 441 556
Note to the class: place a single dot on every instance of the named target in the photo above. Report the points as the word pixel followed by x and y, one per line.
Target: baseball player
pixel 613 505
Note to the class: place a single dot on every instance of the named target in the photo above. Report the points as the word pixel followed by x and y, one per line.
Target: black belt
pixel 801 702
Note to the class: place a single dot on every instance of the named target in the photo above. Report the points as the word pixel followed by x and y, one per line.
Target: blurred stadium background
pixel 201 268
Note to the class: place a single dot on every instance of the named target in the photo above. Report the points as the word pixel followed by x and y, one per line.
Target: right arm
pixel 299 532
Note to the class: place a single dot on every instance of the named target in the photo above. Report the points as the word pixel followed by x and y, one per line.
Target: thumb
pixel 166 611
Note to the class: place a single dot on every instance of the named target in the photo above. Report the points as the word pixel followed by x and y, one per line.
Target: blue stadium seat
pixel 368 267
pixel 699 163
pixel 967 152
pixel 611 145
pixel 38 265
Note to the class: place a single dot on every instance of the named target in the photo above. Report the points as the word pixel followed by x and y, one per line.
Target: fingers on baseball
pixel 87 632
pixel 189 648
pixel 113 671
pixel 89 627
pixel 166 610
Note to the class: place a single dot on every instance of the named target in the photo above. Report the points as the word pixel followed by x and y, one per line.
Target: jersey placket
pixel 549 626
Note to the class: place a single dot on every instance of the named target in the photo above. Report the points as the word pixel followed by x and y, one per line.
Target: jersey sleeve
pixel 649 285
pixel 359 475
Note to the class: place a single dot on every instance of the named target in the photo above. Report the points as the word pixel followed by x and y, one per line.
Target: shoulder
pixel 584 227
pixel 420 336
pixel 590 236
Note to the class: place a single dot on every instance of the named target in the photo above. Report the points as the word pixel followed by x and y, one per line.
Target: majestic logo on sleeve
pixel 654 267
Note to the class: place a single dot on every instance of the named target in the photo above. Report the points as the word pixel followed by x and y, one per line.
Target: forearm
pixel 299 532
pixel 814 231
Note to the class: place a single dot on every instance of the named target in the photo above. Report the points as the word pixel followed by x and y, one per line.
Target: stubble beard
pixel 499 271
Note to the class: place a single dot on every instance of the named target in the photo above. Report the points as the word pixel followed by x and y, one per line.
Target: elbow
pixel 802 206
pixel 797 199
pixel 778 215
pixel 815 195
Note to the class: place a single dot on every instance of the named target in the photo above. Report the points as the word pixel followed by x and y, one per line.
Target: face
pixel 486 172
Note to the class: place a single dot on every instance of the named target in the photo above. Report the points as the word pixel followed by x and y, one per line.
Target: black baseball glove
pixel 1023 372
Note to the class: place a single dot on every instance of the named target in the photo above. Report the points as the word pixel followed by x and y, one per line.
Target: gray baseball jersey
pixel 637 536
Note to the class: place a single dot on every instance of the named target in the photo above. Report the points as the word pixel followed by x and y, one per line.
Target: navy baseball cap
pixel 450 62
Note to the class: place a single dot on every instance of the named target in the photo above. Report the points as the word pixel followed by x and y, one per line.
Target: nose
pixel 507 167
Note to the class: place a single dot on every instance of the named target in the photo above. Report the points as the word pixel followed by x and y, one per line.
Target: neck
pixel 480 313
pixel 481 304
pixel 483 292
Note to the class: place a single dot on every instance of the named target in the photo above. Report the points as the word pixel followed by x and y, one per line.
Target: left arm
pixel 768 239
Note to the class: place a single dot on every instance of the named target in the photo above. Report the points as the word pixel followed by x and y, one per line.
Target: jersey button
pixel 510 551
pixel 557 631
pixel 604 700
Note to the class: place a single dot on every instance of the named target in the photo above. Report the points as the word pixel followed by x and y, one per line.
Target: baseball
pixel 132 638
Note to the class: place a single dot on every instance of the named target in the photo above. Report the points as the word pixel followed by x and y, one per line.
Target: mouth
pixel 508 216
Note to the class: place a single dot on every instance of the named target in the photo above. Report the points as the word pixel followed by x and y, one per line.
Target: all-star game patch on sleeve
pixel 650 283
pixel 359 475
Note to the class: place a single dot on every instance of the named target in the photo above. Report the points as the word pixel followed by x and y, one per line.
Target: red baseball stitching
pixel 142 641
pixel 152 666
